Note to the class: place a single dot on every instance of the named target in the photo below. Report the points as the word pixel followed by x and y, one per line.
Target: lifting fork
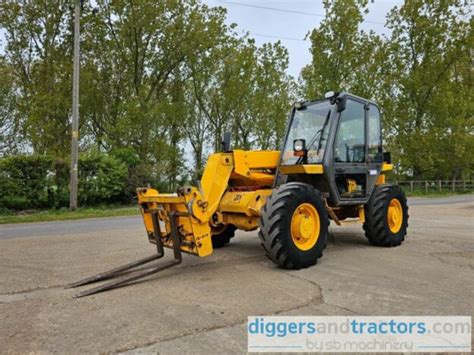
pixel 119 271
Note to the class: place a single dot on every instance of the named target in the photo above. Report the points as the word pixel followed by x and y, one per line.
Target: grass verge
pixel 434 194
pixel 65 214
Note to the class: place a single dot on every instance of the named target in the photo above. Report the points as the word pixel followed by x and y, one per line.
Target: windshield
pixel 308 124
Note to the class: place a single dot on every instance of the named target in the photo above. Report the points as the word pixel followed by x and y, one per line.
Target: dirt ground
pixel 202 305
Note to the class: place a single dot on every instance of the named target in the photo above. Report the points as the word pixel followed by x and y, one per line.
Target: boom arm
pixel 233 188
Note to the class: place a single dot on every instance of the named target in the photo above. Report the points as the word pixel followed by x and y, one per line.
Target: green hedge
pixel 24 182
pixel 102 179
pixel 40 181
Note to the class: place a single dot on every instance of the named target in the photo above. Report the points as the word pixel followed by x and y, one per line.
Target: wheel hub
pixel 305 226
pixel 395 215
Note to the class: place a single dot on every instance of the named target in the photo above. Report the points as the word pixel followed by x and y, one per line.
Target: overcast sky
pixel 290 27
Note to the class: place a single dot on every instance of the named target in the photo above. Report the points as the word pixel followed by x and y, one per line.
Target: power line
pixel 278 37
pixel 284 10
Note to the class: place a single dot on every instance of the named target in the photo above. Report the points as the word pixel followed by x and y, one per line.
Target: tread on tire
pixel 376 224
pixel 274 232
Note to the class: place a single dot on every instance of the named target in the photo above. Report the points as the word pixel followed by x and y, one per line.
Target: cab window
pixel 309 124
pixel 375 137
pixel 350 140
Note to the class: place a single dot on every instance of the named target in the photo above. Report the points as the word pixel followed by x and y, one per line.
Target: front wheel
pixel 294 225
pixel 222 234
pixel 386 216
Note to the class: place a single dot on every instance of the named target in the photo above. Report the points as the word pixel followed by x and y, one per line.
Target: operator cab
pixel 335 144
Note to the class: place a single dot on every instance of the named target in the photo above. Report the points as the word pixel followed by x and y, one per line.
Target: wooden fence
pixel 428 186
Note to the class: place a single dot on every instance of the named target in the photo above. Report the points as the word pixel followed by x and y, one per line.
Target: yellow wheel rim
pixel 305 226
pixel 395 215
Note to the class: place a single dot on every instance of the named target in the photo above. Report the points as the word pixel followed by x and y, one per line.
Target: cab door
pixel 374 146
pixel 350 152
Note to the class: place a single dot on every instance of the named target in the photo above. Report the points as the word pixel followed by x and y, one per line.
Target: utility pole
pixel 75 108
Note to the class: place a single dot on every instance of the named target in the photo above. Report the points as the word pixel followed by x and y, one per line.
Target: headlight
pixel 299 145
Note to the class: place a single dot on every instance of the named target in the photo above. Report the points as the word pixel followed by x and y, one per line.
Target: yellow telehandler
pixel 331 167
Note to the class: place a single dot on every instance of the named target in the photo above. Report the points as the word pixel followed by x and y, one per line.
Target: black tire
pixel 222 237
pixel 376 224
pixel 275 224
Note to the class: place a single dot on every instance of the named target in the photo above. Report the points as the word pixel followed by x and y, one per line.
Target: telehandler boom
pixel 331 167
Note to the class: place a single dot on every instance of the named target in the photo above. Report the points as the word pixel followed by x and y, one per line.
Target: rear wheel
pixel 294 225
pixel 222 234
pixel 386 216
